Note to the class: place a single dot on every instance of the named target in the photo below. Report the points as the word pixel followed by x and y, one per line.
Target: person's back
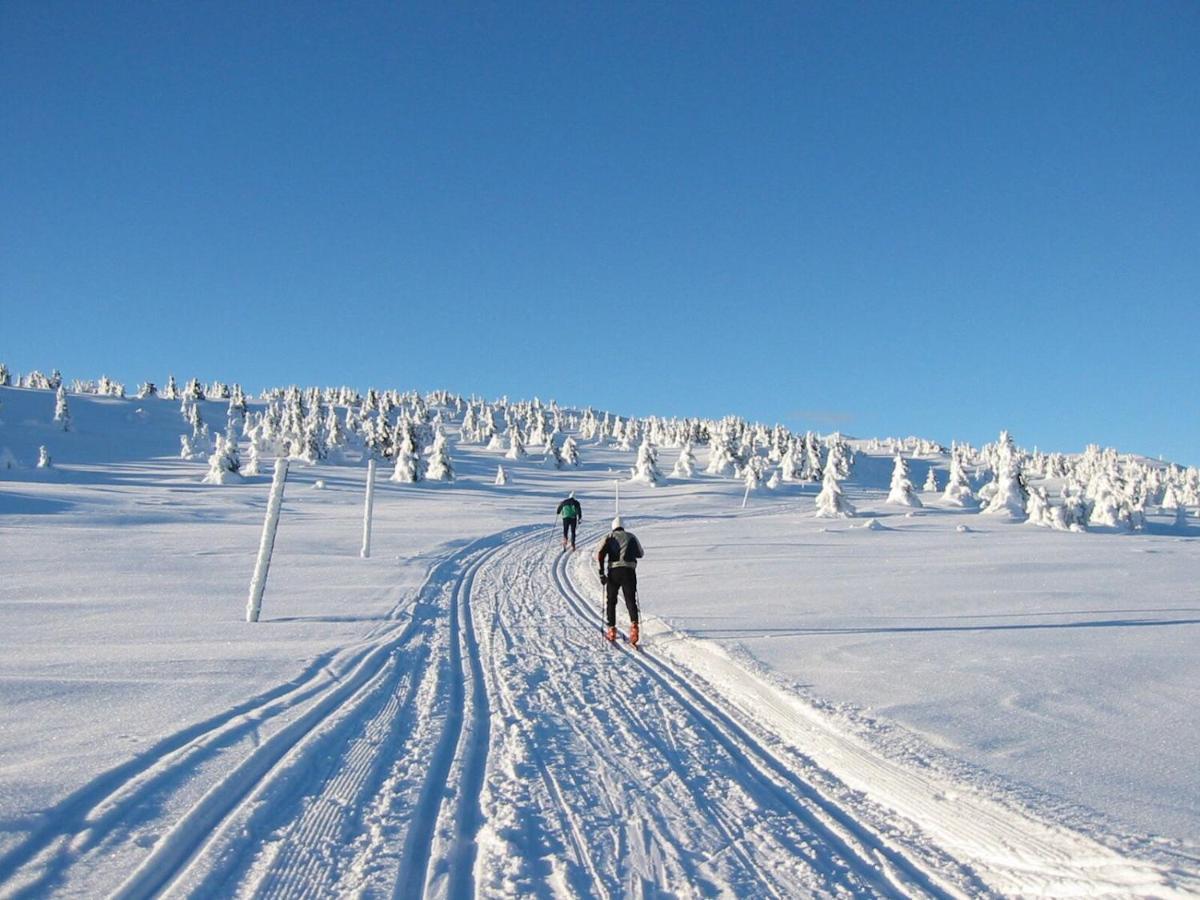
pixel 621 550
pixel 572 514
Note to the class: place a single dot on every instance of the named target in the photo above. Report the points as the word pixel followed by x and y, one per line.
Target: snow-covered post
pixel 367 510
pixel 618 498
pixel 267 544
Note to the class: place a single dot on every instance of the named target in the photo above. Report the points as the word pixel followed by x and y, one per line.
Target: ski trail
pixel 603 781
pixel 859 794
pixel 208 801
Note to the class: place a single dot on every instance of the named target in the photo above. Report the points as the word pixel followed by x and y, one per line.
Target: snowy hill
pixel 923 693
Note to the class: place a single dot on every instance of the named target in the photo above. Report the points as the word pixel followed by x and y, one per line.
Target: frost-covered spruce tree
pixel 408 469
pixel 44 461
pixel 774 481
pixel 223 465
pixel 1009 495
pixel 788 464
pixel 958 487
pixel 570 452
pixel 187 448
pixel 645 470
pixel 812 458
pixel 1108 508
pixel 901 491
pixel 720 455
pixel 553 457
pixel 831 502
pixel 501 476
pixel 1038 510
pixel 931 484
pixel 334 438
pixel 537 431
pixel 253 465
pixel 62 415
pixel 1170 499
pixel 840 456
pixel 146 389
pixel 516 443
pixel 491 437
pixel 171 391
pixel 685 465
pixel 5 376
pixel 440 467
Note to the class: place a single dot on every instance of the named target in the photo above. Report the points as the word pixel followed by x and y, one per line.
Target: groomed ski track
pixel 485 741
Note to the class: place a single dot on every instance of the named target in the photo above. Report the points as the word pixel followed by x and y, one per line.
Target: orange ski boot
pixel 633 634
pixel 611 634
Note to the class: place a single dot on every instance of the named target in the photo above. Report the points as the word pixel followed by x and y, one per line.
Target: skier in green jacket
pixel 572 514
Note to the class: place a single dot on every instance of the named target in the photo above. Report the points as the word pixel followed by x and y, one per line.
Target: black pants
pixel 569 525
pixel 622 579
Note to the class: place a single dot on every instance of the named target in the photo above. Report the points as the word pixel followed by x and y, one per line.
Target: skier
pixel 622 550
pixel 572 515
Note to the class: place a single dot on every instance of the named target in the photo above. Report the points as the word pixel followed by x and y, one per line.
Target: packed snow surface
pixel 917 708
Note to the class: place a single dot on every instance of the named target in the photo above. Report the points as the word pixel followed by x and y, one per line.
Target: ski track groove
pixel 568 821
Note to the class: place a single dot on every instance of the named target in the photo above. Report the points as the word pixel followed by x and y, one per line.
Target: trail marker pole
pixel 617 484
pixel 259 582
pixel 746 496
pixel 368 508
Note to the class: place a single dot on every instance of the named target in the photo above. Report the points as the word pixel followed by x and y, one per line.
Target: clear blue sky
pixel 898 218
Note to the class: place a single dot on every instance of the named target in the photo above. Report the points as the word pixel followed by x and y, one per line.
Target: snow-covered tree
pixel 44 461
pixel 516 444
pixel 901 491
pixel 187 448
pixel 958 486
pixel 1007 496
pixel 1107 507
pixel 62 415
pixel 645 470
pixel 5 376
pixel 789 465
pixel 931 484
pixel 440 466
pixel 407 453
pixel 553 457
pixel 685 465
pixel 223 464
pixel 253 465
pixel 570 452
pixel 171 391
pixel 831 502
pixel 720 455
pixel 501 476
pixel 812 458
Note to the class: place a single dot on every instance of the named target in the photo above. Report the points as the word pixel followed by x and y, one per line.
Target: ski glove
pixel 603 578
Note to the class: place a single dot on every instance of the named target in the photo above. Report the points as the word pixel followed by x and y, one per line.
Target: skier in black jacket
pixel 572 515
pixel 622 549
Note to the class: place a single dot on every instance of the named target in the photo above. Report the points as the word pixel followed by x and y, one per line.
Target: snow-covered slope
pixel 947 704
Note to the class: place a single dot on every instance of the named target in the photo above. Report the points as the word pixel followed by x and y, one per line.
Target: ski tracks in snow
pixel 485 741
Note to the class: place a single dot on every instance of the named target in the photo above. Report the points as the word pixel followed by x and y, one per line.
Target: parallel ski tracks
pixel 872 859
pixel 295 768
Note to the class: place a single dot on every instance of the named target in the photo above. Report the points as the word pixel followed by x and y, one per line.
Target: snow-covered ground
pixel 821 708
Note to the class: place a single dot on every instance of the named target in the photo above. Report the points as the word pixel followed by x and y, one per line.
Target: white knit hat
pixel 617 523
